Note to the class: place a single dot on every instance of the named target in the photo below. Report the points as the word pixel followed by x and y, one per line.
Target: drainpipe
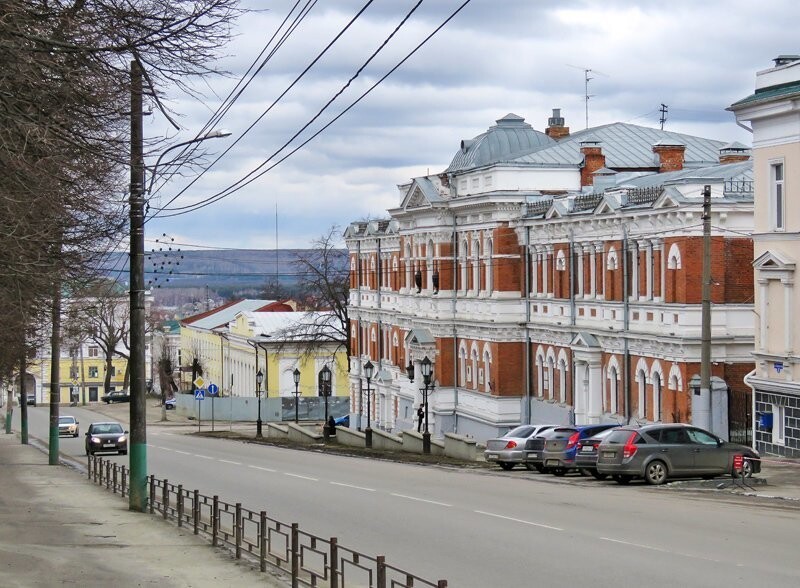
pixel 527 258
pixel 454 309
pixel 626 358
pixel 572 320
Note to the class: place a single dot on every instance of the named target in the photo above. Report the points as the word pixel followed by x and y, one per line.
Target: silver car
pixel 509 450
pixel 659 452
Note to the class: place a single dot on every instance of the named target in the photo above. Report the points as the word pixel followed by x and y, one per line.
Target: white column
pixel 534 269
pixel 649 268
pixel 593 270
pixel 662 269
pixel 579 273
pixel 762 314
pixel 788 294
pixel 633 255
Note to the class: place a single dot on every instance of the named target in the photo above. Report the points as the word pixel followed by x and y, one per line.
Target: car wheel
pixel 506 465
pixel 559 471
pixel 124 452
pixel 585 472
pixel 747 469
pixel 530 467
pixel 708 477
pixel 598 476
pixel 656 472
pixel 623 479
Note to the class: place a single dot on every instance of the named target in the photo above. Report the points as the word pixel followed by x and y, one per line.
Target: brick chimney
pixel 555 126
pixel 593 159
pixel 734 153
pixel 670 155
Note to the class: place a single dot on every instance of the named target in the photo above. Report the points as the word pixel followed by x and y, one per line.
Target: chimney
pixel 593 159
pixel 670 155
pixel 734 153
pixel 555 126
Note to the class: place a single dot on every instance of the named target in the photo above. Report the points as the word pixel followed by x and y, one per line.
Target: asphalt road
pixel 479 528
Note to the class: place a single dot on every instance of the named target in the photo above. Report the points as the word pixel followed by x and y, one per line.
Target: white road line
pixel 420 499
pixel 354 487
pixel 524 522
pixel 301 477
pixel 262 469
pixel 662 550
pixel 202 456
pixel 182 452
pixel 230 462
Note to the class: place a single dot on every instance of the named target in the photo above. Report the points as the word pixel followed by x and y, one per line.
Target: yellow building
pixel 84 372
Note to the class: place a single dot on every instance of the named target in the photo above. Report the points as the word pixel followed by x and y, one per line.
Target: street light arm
pixel 216 134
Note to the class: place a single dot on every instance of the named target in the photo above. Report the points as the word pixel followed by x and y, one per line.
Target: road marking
pixel 524 522
pixel 301 477
pixel 354 487
pixel 230 462
pixel 181 452
pixel 662 550
pixel 202 456
pixel 420 499
pixel 262 469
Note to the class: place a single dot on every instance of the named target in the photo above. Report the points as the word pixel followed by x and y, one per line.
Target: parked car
pixel 560 448
pixel 107 436
pixel 587 452
pixel 68 425
pixel 169 403
pixel 509 450
pixel 31 399
pixel 534 447
pixel 116 396
pixel 659 452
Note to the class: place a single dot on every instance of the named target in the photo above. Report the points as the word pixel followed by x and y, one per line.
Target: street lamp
pixel 369 369
pixel 325 377
pixel 296 376
pixel 426 376
pixel 259 380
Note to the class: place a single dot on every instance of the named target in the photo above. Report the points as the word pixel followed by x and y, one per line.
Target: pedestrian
pixel 331 425
pixel 420 416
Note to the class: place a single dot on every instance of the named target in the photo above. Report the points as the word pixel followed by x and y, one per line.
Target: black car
pixel 106 437
pixel 534 448
pixel 586 456
pixel 116 396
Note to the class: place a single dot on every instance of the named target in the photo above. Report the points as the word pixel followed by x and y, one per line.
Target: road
pixel 483 528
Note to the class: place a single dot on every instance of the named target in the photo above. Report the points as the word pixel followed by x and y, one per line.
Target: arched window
pixel 674 257
pixel 675 381
pixel 540 374
pixel 611 259
pixel 462 365
pixel 409 267
pixel 489 267
pixel 464 266
pixel 641 378
pixel 476 266
pixel 550 376
pixel 562 380
pixel 487 371
pixel 393 278
pixel 613 390
pixel 656 396
pixel 474 368
pixel 429 266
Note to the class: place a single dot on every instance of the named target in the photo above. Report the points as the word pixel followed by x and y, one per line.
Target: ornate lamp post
pixel 369 370
pixel 259 380
pixel 325 377
pixel 296 376
pixel 426 376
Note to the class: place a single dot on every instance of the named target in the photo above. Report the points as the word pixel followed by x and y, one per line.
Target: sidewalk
pixel 57 528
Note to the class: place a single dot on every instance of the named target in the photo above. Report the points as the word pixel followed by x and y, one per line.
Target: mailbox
pixel 764 420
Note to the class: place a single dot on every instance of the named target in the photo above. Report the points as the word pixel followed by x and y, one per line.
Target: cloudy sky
pixel 492 58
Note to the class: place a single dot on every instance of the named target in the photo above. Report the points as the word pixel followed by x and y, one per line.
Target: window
pixel 487 181
pixel 93 371
pixel 701 437
pixel 777 196
pixel 94 351
pixel 476 183
pixel 778 420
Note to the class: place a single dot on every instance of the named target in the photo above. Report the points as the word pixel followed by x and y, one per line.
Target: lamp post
pixel 325 377
pixel 369 369
pixel 138 495
pixel 426 376
pixel 296 376
pixel 259 379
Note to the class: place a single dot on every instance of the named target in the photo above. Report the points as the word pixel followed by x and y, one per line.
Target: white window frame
pixel 778 424
pixel 777 195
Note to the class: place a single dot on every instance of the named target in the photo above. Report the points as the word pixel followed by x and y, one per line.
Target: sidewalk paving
pixel 59 529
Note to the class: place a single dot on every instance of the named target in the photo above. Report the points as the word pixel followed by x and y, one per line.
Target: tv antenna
pixel 586 79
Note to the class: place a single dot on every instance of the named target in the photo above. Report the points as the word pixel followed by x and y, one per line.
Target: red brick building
pixel 554 277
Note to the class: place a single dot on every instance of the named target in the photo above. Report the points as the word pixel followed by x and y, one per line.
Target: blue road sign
pixel 199 394
pixel 213 390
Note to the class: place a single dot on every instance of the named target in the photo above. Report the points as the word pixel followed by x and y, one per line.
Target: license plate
pixel 108 444
pixel 491 456
pixel 609 453
pixel 587 449
pixel 533 455
pixel 551 462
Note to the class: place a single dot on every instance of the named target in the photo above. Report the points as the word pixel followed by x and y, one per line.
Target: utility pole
pixel 55 373
pixel 702 415
pixel 138 431
pixel 664 108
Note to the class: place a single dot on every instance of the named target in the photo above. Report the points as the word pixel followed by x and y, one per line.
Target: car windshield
pixel 618 436
pixel 103 428
pixel 521 431
pixel 66 420
pixel 602 434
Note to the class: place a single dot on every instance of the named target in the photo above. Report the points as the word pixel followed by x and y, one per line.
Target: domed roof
pixel 510 138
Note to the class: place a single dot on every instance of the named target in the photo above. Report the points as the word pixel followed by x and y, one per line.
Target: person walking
pixel 420 416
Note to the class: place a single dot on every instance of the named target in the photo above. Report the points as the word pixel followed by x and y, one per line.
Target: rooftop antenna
pixel 664 109
pixel 586 79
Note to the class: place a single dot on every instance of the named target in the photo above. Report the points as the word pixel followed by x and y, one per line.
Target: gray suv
pixel 659 452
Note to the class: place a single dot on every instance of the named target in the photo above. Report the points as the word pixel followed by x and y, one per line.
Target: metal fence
pixel 310 560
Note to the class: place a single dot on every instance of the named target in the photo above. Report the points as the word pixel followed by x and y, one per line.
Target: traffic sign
pixel 199 381
pixel 213 390
pixel 199 394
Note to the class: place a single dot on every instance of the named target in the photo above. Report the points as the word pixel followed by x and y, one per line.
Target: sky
pixel 493 58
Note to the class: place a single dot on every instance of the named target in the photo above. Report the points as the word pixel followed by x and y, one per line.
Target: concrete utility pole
pixel 55 374
pixel 137 441
pixel 702 413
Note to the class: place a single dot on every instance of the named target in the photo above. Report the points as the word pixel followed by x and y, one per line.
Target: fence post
pixel 334 562
pixel 196 511
pixel 295 555
pixel 89 465
pixel 214 520
pixel 238 531
pixel 262 542
pixel 381 580
pixel 180 505
pixel 124 480
pixel 108 474
pixel 114 483
pixel 441 584
pixel 165 497
pixel 152 493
